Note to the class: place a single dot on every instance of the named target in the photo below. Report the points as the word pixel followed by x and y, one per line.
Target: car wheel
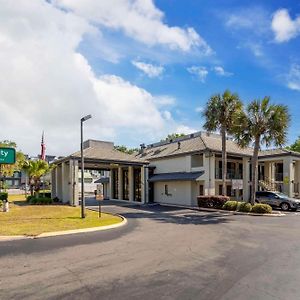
pixel 285 206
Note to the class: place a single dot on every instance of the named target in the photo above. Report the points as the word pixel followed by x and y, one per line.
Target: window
pixel 229 191
pixel 166 189
pixel 197 160
pixel 201 190
pixel 220 189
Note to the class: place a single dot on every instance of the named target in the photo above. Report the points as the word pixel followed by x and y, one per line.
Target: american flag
pixel 43 148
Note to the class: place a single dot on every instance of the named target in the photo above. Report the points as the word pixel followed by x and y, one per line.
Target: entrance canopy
pixel 98 155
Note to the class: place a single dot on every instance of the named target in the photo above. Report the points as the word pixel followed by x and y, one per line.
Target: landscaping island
pixel 32 220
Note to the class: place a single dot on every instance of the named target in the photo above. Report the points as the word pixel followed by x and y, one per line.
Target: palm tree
pixel 35 170
pixel 262 123
pixel 220 115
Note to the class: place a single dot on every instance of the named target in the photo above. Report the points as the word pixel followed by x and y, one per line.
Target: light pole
pixel 82 165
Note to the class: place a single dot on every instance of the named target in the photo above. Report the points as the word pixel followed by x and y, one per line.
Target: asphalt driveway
pixel 163 253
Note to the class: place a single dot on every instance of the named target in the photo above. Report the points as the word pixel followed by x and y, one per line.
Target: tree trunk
pixel 224 161
pixel 255 170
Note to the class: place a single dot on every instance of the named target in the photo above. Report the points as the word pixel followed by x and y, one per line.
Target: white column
pixel 65 182
pixel 131 184
pixel 59 182
pixel 288 176
pixel 53 183
pixel 246 178
pixel 297 176
pixel 111 191
pixel 144 184
pixel 210 174
pixel 273 171
pixel 268 171
pixel 120 183
pixel 72 190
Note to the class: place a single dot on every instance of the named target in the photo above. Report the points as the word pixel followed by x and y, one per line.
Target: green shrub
pixel 40 201
pixel 1 203
pixel 3 196
pixel 261 209
pixel 45 194
pixel 56 200
pixel 212 201
pixel 29 198
pixel 230 205
pixel 244 207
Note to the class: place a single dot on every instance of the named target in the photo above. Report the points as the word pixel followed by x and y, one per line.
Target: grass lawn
pixel 32 220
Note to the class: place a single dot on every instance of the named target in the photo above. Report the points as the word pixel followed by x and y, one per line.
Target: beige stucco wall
pixel 175 164
pixel 180 192
pixel 196 191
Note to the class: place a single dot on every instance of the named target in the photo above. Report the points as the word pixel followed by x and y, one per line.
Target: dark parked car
pixel 276 199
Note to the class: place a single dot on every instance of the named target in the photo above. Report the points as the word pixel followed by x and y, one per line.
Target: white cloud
pixel 200 72
pixel 149 69
pixel 199 109
pixel 185 129
pixel 46 84
pixel 254 19
pixel 293 78
pixel 284 27
pixel 138 19
pixel 164 100
pixel 221 72
pixel 167 115
pixel 250 26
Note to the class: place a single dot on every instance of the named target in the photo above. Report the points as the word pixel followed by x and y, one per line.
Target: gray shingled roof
pixel 106 155
pixel 198 142
pixel 182 176
pixel 96 153
pixel 277 152
pixel 169 149
pixel 214 142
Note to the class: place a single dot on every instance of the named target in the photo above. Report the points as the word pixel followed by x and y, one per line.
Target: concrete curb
pixel 66 232
pixel 279 214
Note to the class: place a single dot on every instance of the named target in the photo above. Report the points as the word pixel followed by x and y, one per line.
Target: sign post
pixel 7 157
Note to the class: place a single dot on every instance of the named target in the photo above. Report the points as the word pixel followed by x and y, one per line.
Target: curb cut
pixel 66 232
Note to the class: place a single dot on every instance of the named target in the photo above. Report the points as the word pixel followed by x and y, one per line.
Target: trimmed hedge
pixel 230 205
pixel 45 194
pixel 40 201
pixel 212 201
pixel 3 196
pixel 29 198
pixel 244 207
pixel 261 208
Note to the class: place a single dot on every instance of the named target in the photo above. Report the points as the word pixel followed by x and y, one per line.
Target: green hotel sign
pixel 7 155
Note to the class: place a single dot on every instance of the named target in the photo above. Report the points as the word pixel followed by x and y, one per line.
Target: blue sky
pixel 244 47
pixel 142 68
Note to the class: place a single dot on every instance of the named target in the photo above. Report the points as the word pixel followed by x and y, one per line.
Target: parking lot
pixel 162 253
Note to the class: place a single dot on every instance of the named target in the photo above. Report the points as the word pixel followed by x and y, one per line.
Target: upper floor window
pixel 197 160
